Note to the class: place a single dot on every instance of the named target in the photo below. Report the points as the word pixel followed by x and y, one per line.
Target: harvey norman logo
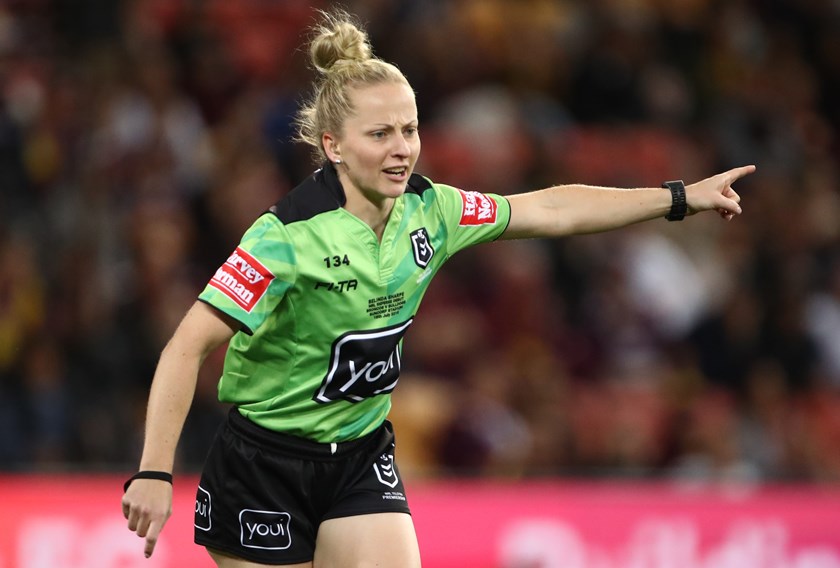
pixel 477 208
pixel 243 279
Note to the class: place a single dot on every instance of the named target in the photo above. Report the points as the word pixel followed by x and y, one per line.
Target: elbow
pixel 181 347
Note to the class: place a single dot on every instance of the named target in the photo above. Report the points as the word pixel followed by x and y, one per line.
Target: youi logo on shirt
pixel 363 364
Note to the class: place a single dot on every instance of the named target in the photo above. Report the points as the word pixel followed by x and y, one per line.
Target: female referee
pixel 314 303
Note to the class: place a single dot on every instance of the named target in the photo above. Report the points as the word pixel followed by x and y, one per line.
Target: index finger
pixel 738 173
pixel 152 538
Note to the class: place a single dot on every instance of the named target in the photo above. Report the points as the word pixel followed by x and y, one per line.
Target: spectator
pixel 137 139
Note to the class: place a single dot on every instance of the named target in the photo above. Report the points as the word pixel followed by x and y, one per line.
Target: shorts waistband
pixel 300 447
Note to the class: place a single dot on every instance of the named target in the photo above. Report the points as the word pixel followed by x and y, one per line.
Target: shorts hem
pixel 359 512
pixel 238 553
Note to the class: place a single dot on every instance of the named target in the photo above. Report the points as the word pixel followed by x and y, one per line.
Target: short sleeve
pixel 255 277
pixel 471 217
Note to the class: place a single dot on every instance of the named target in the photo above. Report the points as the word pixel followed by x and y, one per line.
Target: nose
pixel 402 147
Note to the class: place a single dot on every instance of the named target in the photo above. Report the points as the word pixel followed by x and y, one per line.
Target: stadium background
pixel 139 138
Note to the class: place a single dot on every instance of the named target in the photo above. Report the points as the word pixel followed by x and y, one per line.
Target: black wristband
pixel 161 475
pixel 679 206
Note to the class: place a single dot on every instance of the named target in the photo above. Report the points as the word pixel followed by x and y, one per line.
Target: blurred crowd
pixel 139 138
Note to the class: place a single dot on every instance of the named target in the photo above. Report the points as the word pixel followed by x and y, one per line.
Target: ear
pixel 331 147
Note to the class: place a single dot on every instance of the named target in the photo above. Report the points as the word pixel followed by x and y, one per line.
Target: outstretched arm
pixel 147 503
pixel 575 209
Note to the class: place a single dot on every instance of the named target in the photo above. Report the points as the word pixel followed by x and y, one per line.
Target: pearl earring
pixel 338 161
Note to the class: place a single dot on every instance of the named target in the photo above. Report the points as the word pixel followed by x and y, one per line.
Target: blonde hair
pixel 341 53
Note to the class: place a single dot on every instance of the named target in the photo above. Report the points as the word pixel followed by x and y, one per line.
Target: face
pixel 379 144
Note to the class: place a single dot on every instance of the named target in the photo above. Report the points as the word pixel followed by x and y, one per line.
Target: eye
pixel 378 134
pixel 410 131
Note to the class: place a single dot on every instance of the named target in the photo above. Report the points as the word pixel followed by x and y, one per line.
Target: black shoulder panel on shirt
pixel 319 193
pixel 418 184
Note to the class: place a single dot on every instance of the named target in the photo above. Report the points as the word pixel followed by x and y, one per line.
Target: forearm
pixel 170 400
pixel 573 209
pixel 201 331
pixel 576 209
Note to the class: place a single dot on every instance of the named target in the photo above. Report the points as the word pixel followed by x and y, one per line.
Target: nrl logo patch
pixel 422 247
pixel 385 471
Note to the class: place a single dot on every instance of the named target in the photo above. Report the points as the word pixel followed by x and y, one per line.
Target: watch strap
pixel 679 205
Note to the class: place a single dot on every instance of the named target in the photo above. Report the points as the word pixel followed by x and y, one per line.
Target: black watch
pixel 679 206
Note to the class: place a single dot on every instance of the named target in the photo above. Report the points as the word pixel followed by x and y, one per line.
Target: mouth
pixel 399 173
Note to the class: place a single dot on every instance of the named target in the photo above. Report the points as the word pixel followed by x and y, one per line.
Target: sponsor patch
pixel 267 530
pixel 202 509
pixel 243 279
pixel 363 364
pixel 477 208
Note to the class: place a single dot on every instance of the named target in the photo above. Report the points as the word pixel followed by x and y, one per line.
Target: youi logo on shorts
pixel 363 364
pixel 268 530
pixel 203 507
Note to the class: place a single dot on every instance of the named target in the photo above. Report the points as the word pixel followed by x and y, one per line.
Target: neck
pixel 374 213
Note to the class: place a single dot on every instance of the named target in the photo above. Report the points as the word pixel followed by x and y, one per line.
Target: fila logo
pixel 243 279
pixel 477 208
pixel 340 286
pixel 422 247
pixel 385 471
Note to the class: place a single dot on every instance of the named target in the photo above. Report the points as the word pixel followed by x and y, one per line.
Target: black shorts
pixel 262 495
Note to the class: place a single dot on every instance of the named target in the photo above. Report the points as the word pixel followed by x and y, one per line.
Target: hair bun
pixel 338 39
pixel 340 52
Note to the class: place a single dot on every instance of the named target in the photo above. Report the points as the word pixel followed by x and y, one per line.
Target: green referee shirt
pixel 324 304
